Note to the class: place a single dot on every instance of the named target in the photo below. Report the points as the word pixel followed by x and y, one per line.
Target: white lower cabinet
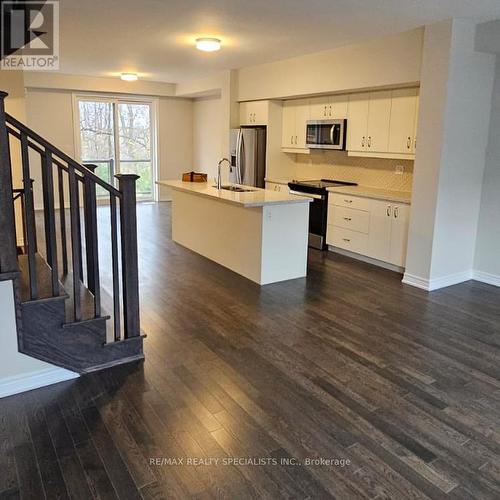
pixel 374 228
pixel 274 186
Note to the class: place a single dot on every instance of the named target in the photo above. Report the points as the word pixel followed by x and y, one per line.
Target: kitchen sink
pixel 236 189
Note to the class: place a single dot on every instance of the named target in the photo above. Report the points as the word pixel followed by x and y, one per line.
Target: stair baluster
pixel 75 234
pixel 50 219
pixel 116 276
pixel 62 220
pixel 91 243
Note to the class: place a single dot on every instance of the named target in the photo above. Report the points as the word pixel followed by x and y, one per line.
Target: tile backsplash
pixel 373 172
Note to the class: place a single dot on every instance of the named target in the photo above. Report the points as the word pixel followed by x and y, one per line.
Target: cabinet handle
pixel 389 209
pixel 295 140
pixel 408 143
pixel 369 141
pixel 415 143
pixel 396 210
pixel 324 112
pixel 291 139
pixel 346 239
pixel 348 201
pixel 363 142
pixel 330 111
pixel 348 219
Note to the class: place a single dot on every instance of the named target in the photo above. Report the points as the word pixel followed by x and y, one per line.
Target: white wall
pixel 392 60
pixel 19 372
pixel 175 140
pixel 455 97
pixel 208 134
pixel 487 259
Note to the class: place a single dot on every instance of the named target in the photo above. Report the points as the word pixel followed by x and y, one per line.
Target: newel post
pixel 8 245
pixel 130 266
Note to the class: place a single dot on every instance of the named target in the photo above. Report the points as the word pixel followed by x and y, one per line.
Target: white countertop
pixel 376 193
pixel 278 180
pixel 256 198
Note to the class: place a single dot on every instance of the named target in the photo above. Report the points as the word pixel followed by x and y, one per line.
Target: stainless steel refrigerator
pixel 248 156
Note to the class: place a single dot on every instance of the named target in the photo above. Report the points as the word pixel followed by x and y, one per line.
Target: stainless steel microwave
pixel 326 134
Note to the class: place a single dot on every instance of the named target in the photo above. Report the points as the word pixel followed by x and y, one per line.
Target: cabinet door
pixel 414 143
pixel 357 121
pixel 379 237
pixel 337 107
pixel 272 186
pixel 379 115
pixel 402 126
pixel 301 117
pixel 288 125
pixel 319 107
pixel 245 115
pixel 259 112
pixel 399 234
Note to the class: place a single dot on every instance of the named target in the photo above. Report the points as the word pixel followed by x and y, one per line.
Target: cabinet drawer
pixel 347 239
pixel 348 218
pixel 345 200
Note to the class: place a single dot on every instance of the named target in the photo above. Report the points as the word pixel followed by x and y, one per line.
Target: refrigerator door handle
pixel 239 150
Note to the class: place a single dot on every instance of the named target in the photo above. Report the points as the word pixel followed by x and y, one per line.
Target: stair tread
pixel 43 279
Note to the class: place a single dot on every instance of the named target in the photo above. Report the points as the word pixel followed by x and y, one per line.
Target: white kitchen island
pixel 261 234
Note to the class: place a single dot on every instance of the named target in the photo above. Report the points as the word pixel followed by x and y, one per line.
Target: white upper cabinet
pixel 288 126
pixel 357 121
pixel 403 121
pixel 379 117
pixel 295 115
pixel 383 123
pixel 326 107
pixel 254 113
pixel 319 107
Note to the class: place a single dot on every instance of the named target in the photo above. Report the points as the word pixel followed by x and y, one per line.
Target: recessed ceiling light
pixel 129 77
pixel 208 44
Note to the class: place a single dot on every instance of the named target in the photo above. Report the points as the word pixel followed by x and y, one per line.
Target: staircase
pixel 56 271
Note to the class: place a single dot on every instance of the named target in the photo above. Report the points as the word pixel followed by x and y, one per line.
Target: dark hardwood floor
pixel 400 386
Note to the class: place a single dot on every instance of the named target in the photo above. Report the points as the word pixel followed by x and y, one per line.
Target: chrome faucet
pixel 219 177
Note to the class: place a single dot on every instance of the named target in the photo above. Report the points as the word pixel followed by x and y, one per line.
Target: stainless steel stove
pixel 317 190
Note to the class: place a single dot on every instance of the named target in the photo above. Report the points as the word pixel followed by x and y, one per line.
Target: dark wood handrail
pixel 56 151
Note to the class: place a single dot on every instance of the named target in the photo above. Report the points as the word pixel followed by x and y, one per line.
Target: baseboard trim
pixel 364 258
pixel 483 277
pixel 416 281
pixel 33 380
pixel 437 283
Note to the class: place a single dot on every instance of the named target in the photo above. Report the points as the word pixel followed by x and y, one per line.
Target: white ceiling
pixel 155 37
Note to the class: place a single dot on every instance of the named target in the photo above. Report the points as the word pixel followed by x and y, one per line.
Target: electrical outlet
pixel 399 169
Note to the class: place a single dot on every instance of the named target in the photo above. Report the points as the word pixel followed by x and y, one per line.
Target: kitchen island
pixel 259 234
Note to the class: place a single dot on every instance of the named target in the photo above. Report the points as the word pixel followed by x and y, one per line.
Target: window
pixel 118 135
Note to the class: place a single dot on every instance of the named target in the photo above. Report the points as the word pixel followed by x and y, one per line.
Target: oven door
pixel 317 219
pixel 326 134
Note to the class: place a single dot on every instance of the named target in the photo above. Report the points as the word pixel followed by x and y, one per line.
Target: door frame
pixel 116 99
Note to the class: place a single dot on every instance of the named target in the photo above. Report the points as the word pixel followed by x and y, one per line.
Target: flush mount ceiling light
pixel 129 77
pixel 208 44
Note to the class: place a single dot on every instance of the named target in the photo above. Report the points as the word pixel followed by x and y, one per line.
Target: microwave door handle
pixel 331 135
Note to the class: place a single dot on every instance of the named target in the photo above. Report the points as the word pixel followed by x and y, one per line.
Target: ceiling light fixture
pixel 208 44
pixel 129 77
